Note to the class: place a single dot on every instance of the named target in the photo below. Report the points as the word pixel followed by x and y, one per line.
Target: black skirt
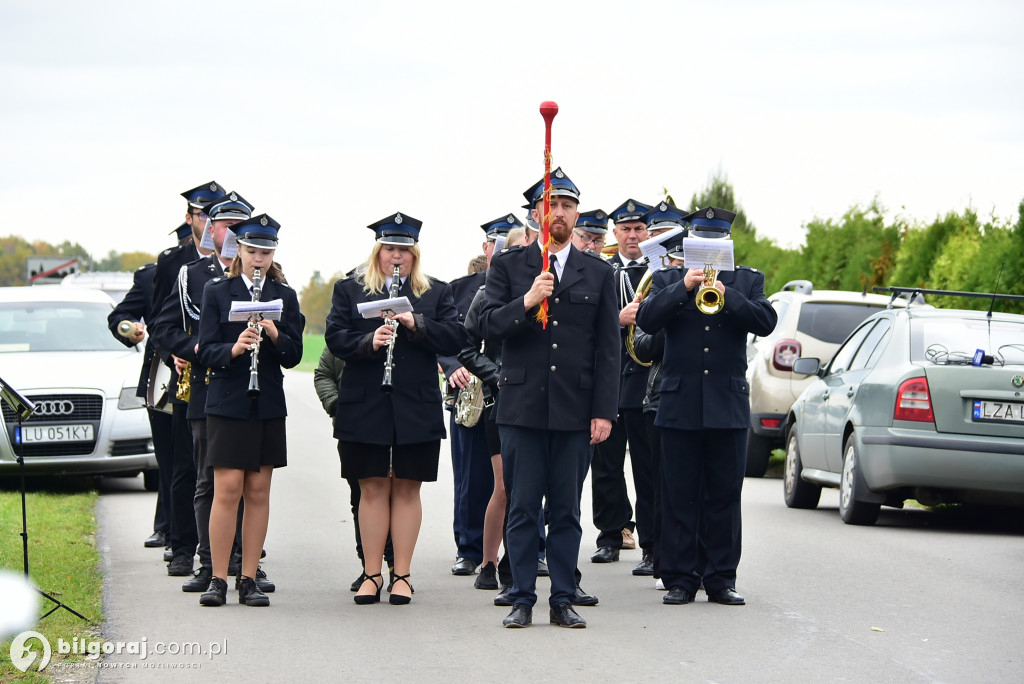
pixel 409 461
pixel 493 439
pixel 246 444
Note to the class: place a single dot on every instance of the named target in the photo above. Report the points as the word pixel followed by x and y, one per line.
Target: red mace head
pixel 548 109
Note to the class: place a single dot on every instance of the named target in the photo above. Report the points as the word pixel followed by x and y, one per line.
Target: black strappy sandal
pixel 398 599
pixel 367 599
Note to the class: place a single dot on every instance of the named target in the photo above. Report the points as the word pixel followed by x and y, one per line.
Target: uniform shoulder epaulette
pixel 747 268
pixel 669 268
pixel 167 251
pixel 595 255
pixel 218 279
pixel 145 267
pixel 284 283
pixel 514 248
pixel 462 277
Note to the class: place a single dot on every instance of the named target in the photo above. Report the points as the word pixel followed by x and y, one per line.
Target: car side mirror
pixel 807 366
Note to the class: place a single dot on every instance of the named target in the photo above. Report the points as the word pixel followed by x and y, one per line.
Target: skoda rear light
pixel 913 401
pixel 786 352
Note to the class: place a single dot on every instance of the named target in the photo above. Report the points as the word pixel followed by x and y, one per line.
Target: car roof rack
pixel 915 292
pixel 798 286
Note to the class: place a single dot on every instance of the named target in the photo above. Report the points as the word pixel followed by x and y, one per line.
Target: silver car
pixel 917 403
pixel 56 349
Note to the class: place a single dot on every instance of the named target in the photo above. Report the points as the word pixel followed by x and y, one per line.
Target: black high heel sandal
pixel 398 599
pixel 367 599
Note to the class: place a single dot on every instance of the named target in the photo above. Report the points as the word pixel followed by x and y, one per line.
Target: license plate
pixel 998 411
pixel 38 434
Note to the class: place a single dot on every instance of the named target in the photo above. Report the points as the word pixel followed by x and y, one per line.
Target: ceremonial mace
pixel 548 110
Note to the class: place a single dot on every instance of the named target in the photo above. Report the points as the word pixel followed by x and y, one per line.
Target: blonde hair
pixel 477 264
pixel 514 235
pixel 374 280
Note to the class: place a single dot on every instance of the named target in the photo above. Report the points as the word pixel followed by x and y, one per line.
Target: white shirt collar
pixel 563 257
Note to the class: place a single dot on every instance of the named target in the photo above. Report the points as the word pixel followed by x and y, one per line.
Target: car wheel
pixel 799 493
pixel 851 488
pixel 151 479
pixel 759 450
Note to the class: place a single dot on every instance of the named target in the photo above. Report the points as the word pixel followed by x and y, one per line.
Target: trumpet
pixel 389 361
pixel 254 359
pixel 709 299
pixel 184 390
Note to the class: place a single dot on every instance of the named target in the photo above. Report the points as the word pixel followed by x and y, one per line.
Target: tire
pixel 151 479
pixel 797 492
pixel 759 450
pixel 852 510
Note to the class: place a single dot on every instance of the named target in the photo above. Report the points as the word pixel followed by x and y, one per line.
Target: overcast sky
pixel 331 115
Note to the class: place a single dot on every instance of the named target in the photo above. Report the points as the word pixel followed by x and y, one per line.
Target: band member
pixel 703 414
pixel 136 307
pixel 471 467
pixel 590 230
pixel 176 329
pixel 184 535
pixel 390 440
pixel 612 511
pixel 245 403
pixel 556 397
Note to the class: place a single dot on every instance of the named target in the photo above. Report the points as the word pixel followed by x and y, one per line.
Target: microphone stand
pixel 23 409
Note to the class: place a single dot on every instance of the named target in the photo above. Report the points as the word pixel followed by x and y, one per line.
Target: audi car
pixel 56 351
pixel 917 403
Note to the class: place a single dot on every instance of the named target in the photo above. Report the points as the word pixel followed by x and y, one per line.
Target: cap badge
pixel 1018 381
pixel 599 216
pixel 511 219
pixel 663 207
pixel 398 218
pixel 710 214
pixel 213 186
pixel 630 207
pixel 234 197
pixel 559 174
pixel 263 221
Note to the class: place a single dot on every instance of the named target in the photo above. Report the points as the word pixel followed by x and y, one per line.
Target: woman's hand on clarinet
pixel 245 341
pixel 271 330
pixel 381 336
pixel 406 319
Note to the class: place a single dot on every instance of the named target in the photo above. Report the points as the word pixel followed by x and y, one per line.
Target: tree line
pixel 15 251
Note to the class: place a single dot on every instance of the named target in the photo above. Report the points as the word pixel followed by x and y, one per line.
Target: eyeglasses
pixel 201 214
pixel 587 240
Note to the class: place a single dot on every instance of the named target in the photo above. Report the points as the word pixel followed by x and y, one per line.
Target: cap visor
pixel 396 240
pixel 260 242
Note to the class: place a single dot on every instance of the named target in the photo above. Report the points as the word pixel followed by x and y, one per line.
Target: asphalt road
pixel 921 596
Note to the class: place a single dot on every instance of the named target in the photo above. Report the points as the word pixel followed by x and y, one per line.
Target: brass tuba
pixel 709 299
pixel 642 290
pixel 184 390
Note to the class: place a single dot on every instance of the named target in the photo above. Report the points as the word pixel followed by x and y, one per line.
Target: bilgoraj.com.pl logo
pixel 23 653
pixel 27 653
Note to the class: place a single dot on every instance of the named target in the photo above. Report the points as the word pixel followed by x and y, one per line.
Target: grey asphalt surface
pixel 922 596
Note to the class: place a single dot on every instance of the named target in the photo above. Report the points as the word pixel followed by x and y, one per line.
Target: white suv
pixel 811 323
pixel 56 349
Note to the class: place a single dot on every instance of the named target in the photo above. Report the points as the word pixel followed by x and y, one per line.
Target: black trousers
pixel 654 440
pixel 161 427
pixel 474 482
pixel 702 481
pixel 184 534
pixel 643 474
pixel 551 463
pixel 612 510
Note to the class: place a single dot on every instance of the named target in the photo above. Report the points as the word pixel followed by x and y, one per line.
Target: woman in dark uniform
pixel 390 441
pixel 246 435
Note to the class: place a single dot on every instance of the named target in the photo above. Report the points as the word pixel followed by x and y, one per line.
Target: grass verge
pixel 312 348
pixel 63 562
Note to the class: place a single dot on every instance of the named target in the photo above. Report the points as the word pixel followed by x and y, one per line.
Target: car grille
pixel 88 408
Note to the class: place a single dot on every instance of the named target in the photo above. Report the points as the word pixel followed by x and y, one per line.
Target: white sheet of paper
pixel 267 311
pixel 230 248
pixel 384 307
pixel 654 248
pixel 697 252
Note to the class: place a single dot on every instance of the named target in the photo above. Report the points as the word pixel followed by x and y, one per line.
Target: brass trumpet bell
pixel 709 299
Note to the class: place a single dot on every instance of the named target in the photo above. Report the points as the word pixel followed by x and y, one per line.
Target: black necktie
pixel 631 264
pixel 551 267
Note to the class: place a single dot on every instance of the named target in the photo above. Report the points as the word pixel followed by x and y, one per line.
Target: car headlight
pixel 128 400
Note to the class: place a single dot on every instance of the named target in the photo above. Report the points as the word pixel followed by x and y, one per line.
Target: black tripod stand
pixel 23 408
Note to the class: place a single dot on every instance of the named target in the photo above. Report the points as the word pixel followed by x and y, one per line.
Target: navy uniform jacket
pixel 168 264
pixel 229 378
pixel 634 376
pixel 411 413
pixel 487 365
pixel 561 377
pixel 463 291
pixel 178 332
pixel 137 306
pixel 703 383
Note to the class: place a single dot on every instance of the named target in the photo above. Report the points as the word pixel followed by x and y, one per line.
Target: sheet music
pixel 384 307
pixel 700 251
pixel 654 248
pixel 267 311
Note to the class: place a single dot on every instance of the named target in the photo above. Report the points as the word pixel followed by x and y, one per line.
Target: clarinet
pixel 254 360
pixel 389 362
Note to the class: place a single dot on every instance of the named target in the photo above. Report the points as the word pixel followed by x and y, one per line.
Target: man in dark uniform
pixel 137 306
pixel 612 511
pixel 471 464
pixel 703 414
pixel 176 329
pixel 555 400
pixel 184 537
